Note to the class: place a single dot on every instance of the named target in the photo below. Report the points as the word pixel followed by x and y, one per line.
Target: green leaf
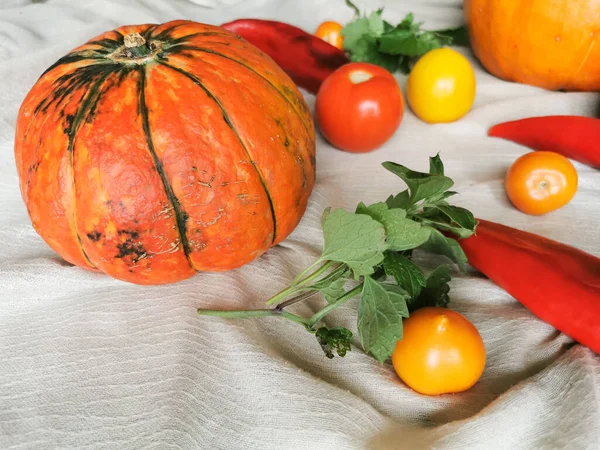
pixel 435 292
pixel 406 273
pixel 407 43
pixel 355 239
pixel 404 65
pixel 455 219
pixel 436 166
pixel 354 7
pixel 400 201
pixel 460 216
pixel 376 26
pixel 421 185
pixel 442 245
pixel 440 222
pixel 373 210
pixel 440 198
pixel 381 310
pixel 387 27
pixel 457 36
pixel 332 285
pixel 334 340
pixel 402 233
pixel 408 21
pixel 354 32
pixel 365 50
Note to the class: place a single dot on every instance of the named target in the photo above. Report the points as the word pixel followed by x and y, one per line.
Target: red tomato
pixel 359 107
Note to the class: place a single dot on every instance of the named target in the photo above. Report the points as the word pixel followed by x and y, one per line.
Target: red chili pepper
pixel 559 284
pixel 307 59
pixel 575 137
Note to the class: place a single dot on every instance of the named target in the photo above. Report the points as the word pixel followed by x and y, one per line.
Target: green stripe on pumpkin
pixel 230 124
pixel 87 104
pixel 181 216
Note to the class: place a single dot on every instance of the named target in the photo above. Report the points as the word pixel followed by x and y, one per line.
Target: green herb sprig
pixel 371 39
pixel 368 253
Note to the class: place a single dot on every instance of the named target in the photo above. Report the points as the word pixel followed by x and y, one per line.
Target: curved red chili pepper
pixel 575 137
pixel 559 284
pixel 307 59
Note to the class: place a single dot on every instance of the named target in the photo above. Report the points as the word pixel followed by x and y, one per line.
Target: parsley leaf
pixel 435 292
pixel 376 26
pixel 355 239
pixel 421 185
pixel 406 273
pixel 365 50
pixel 356 31
pixel 456 36
pixel 371 39
pixel 408 43
pixel 381 310
pixel 334 340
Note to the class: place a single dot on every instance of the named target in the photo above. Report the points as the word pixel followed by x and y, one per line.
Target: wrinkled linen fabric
pixel 88 362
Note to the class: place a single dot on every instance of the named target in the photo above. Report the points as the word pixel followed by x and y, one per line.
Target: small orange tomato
pixel 441 352
pixel 540 182
pixel 331 32
pixel 359 107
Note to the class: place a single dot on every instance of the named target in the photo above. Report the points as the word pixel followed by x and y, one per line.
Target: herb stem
pixel 297 299
pixel 343 299
pixel 305 271
pixel 246 314
pixel 298 285
pixel 315 274
pixel 283 294
pixel 317 317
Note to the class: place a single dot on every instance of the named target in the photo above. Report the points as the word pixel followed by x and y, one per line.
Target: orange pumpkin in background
pixel 549 44
pixel 156 151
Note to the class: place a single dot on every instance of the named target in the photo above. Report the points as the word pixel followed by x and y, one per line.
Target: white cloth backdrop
pixel 87 362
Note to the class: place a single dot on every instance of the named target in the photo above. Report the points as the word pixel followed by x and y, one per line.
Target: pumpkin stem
pixel 136 44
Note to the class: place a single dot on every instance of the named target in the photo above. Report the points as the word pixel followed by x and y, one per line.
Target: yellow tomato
pixel 441 86
pixel 441 352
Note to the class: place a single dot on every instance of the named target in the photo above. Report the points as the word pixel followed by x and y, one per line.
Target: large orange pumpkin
pixel 551 44
pixel 155 151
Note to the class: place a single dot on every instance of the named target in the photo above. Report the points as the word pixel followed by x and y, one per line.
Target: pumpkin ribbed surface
pixel 550 44
pixel 156 151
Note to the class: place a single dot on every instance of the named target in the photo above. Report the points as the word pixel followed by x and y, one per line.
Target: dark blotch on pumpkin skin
pixel 130 233
pixel 34 167
pixel 94 236
pixel 129 250
pixel 69 119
